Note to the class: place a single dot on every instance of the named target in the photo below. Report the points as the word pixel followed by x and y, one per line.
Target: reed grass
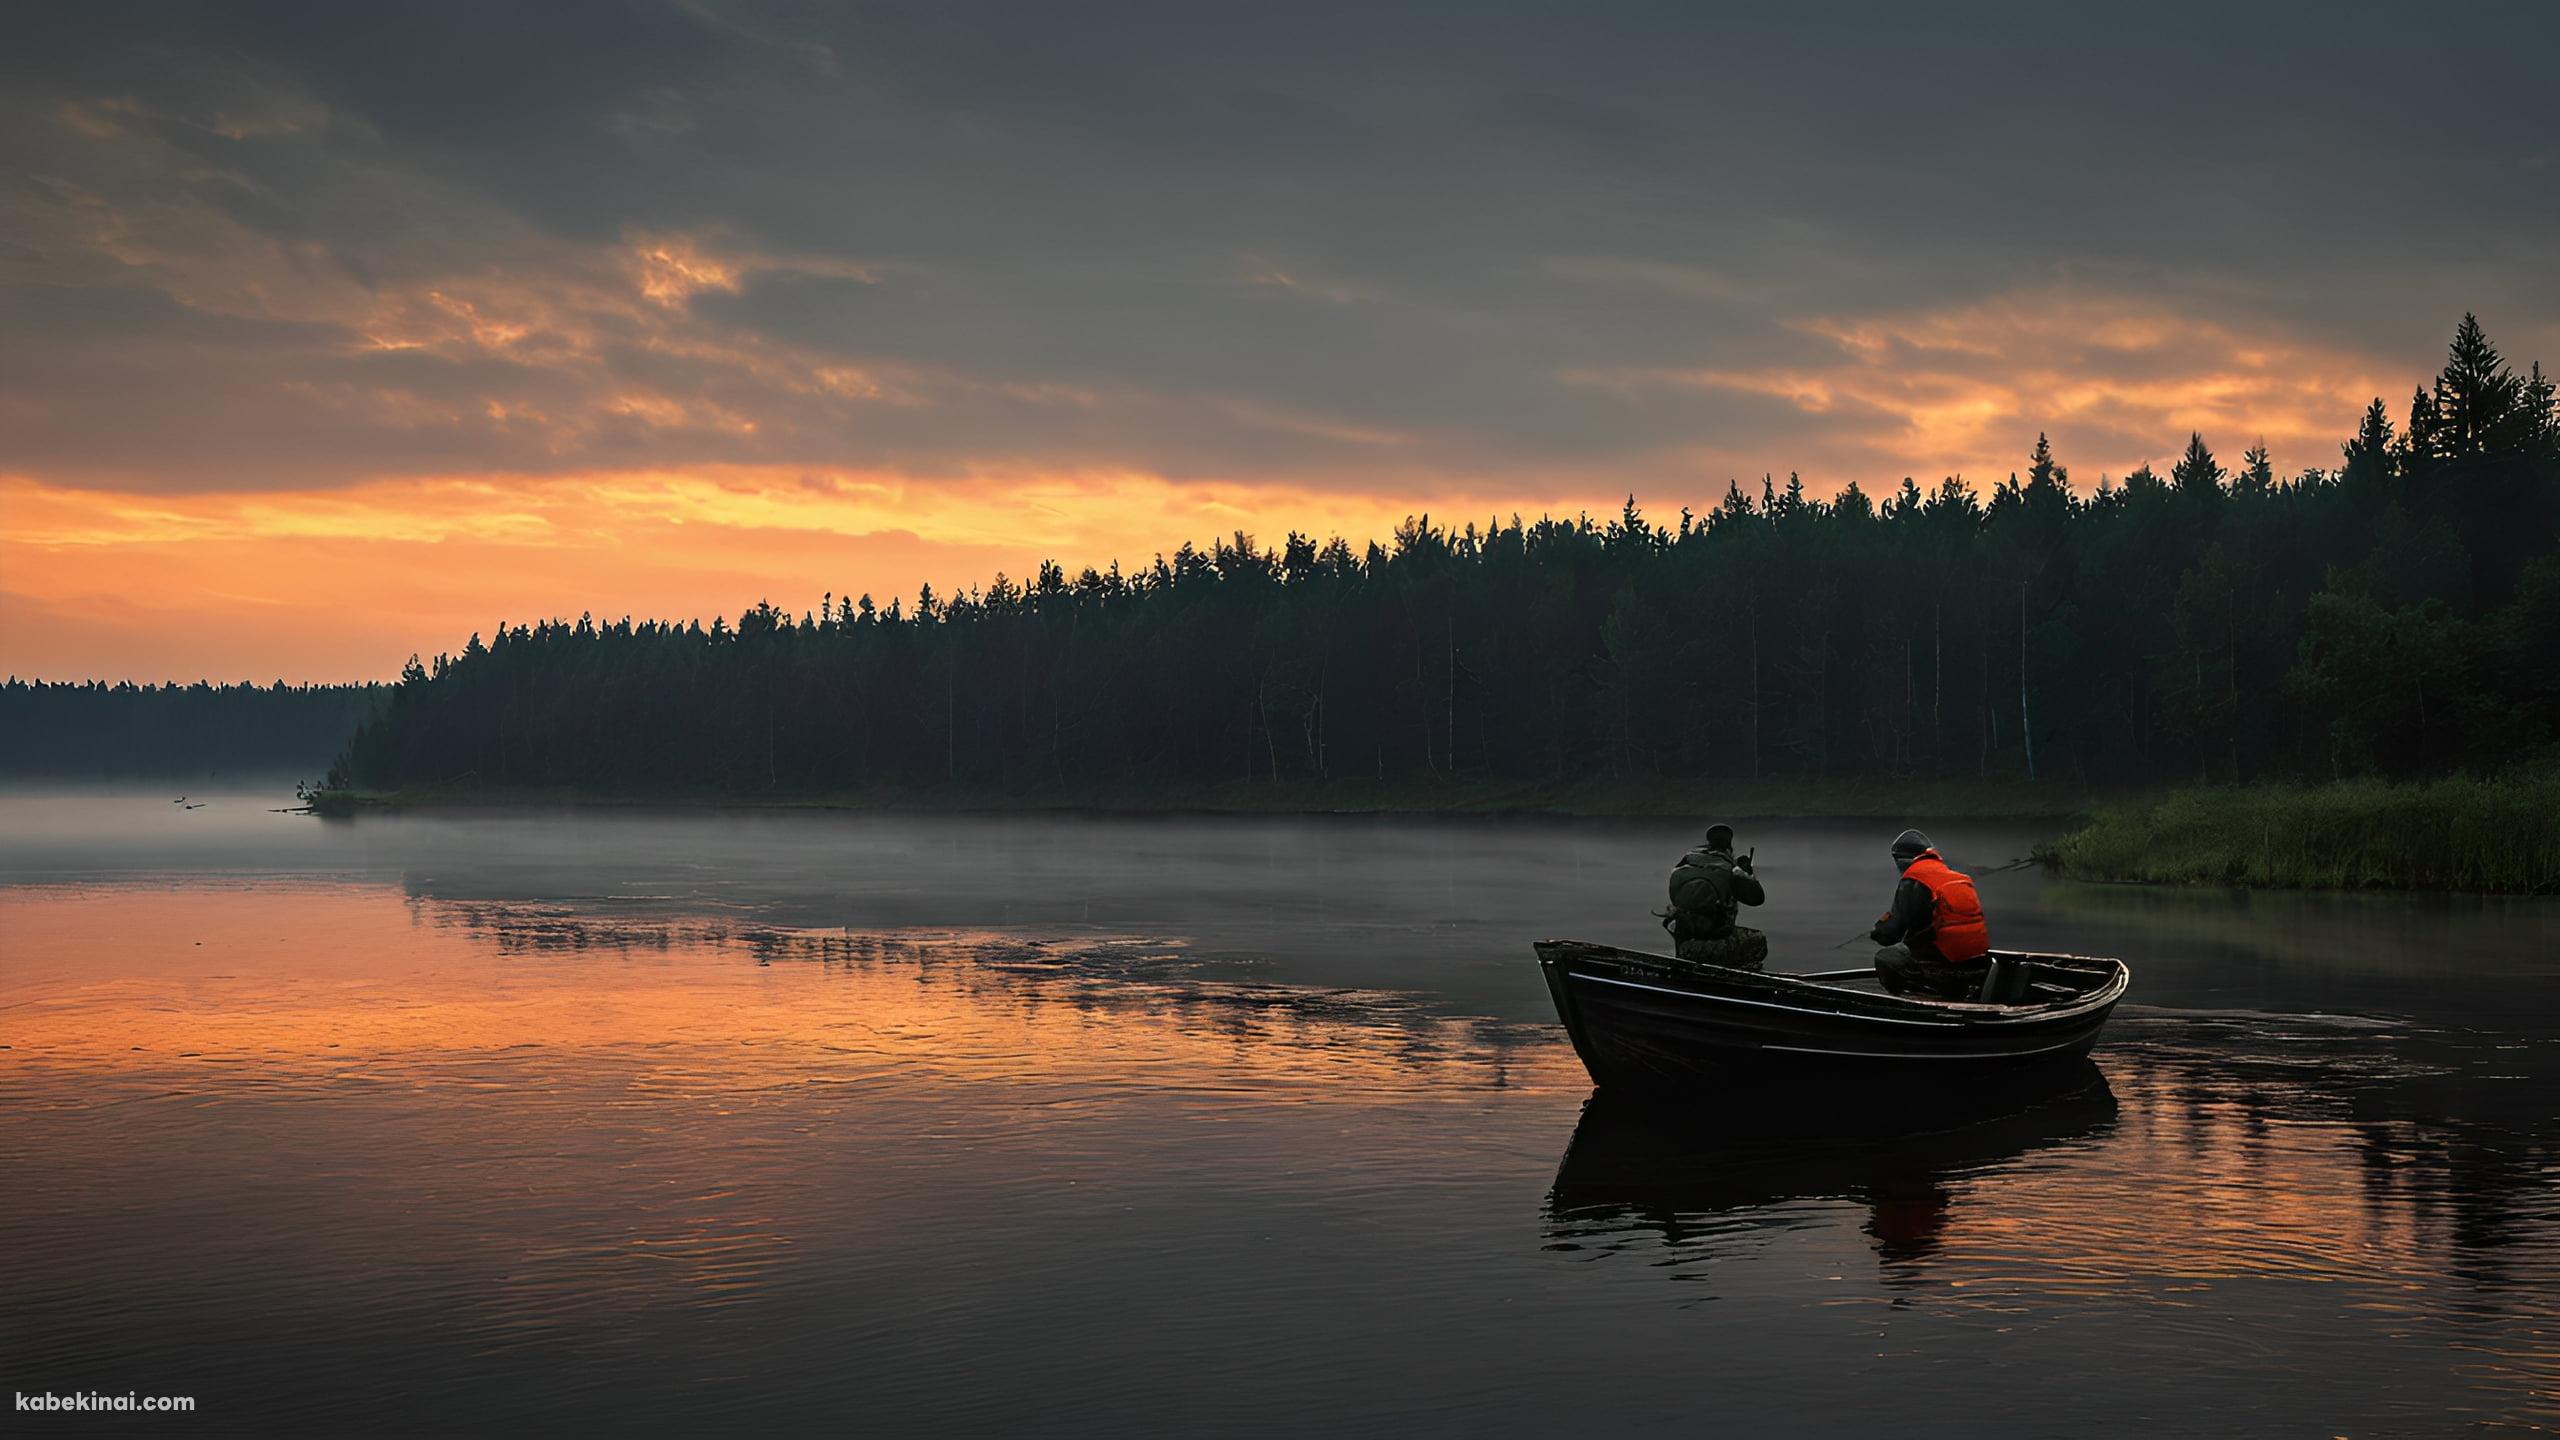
pixel 2499 835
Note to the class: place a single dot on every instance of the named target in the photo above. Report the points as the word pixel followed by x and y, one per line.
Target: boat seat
pixel 2007 980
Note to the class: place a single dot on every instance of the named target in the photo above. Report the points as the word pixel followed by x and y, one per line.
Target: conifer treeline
pixel 91 730
pixel 2396 615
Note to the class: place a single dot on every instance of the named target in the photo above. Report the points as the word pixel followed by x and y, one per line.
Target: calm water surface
pixel 668 1122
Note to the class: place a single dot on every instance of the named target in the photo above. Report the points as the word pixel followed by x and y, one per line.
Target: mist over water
pixel 665 1120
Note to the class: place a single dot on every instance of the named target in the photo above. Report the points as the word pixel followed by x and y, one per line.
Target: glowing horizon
pixel 440 558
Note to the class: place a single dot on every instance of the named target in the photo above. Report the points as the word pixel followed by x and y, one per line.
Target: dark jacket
pixel 1706 887
pixel 1912 920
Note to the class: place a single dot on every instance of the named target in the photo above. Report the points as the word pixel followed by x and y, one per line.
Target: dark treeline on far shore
pixel 92 730
pixel 2398 615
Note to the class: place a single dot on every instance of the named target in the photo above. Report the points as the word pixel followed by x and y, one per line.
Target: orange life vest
pixel 1956 914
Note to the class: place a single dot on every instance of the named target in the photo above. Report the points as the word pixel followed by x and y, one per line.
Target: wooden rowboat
pixel 1651 1022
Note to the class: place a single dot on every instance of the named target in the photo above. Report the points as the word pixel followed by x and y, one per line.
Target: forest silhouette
pixel 2397 615
pixel 93 730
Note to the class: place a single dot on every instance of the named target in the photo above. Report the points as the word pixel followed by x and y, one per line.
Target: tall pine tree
pixel 2476 398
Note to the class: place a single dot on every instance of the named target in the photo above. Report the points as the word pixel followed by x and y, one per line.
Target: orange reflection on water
pixel 564 1118
pixel 536 1115
pixel 344 977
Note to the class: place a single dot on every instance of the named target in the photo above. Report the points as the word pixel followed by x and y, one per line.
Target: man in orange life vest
pixel 1940 943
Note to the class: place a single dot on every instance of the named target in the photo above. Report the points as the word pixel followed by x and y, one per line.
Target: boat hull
pixel 1652 1023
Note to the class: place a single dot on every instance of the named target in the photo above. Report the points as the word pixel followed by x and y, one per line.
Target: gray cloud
pixel 309 245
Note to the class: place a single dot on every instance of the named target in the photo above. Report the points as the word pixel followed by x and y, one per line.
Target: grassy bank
pixel 1733 800
pixel 2491 836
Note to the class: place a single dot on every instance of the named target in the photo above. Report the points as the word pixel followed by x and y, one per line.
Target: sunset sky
pixel 330 333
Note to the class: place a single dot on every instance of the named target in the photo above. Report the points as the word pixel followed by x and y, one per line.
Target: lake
pixel 659 1122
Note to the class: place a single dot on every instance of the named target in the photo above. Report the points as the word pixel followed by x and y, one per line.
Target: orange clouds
pixel 672 269
pixel 669 267
pixel 489 420
pixel 2117 380
pixel 346 581
pixel 485 341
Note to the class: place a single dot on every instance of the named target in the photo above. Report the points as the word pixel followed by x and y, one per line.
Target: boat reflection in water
pixel 1687 1174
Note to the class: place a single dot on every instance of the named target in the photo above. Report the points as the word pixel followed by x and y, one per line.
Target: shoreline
pixel 2454 836
pixel 1739 801
pixel 2458 835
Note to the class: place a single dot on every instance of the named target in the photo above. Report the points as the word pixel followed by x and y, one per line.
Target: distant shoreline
pixel 2464 836
pixel 1732 800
